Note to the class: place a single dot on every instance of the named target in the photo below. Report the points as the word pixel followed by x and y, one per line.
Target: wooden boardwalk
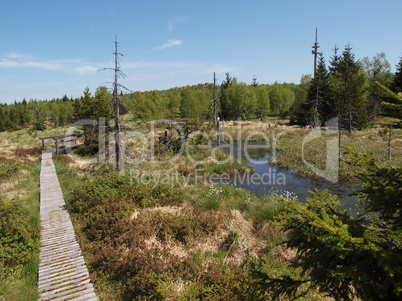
pixel 63 274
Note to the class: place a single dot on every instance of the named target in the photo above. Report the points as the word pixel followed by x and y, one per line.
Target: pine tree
pixel 350 87
pixel 346 257
pixel 334 61
pixel 396 85
pixel 297 113
pixel 224 99
pixel 318 109
pixel 93 108
pixel 394 104
pixel 102 104
pixel 254 82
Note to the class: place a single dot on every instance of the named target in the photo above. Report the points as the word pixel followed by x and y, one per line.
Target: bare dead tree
pixel 390 143
pixel 116 102
pixel 214 105
pixel 316 105
pixel 214 108
pixel 116 105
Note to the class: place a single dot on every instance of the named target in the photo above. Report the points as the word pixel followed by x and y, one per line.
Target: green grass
pixel 293 150
pixel 19 279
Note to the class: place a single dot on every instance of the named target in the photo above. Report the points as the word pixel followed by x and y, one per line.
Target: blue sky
pixel 53 48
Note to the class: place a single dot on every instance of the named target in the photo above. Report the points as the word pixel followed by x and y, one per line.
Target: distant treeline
pixel 345 89
pixel 236 100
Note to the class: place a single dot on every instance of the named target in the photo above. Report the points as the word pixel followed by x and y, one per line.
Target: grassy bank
pixel 295 151
pixel 19 224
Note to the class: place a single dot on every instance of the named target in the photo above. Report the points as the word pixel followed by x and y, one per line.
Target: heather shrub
pixel 8 168
pixel 120 248
pixel 17 237
pixel 150 250
pixel 87 149
pixel 112 187
pixel 63 158
pixel 25 152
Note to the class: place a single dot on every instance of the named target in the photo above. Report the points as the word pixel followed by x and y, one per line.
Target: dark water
pixel 269 179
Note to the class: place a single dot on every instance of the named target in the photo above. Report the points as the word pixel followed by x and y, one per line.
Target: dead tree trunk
pixel 116 107
pixel 116 102
pixel 390 143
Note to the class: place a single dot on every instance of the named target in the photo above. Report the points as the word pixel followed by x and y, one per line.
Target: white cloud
pixel 86 69
pixel 16 60
pixel 5 63
pixel 169 44
pixel 14 55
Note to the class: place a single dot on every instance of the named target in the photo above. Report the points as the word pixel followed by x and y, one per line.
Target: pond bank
pixel 269 178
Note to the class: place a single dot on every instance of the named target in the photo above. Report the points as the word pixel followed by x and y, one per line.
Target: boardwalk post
pixel 57 146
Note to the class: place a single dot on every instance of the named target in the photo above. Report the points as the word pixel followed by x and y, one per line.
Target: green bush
pixel 8 168
pixel 17 237
pixel 264 209
pixel 112 187
pixel 87 149
pixel 344 256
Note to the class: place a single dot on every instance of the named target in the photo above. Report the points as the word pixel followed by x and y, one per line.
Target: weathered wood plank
pixel 63 274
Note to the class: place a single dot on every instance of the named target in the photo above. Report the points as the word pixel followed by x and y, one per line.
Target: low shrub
pixel 17 237
pixel 8 168
pixel 87 149
pixel 142 253
pixel 264 209
pixel 63 158
pixel 25 152
pixel 112 187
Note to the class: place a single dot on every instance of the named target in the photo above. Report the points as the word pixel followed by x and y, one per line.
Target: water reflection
pixel 269 179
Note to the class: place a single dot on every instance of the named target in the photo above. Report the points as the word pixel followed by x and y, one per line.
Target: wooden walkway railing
pixel 59 140
pixel 63 274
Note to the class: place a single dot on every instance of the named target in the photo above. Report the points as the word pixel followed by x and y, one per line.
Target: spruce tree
pixel 93 108
pixel 346 257
pixel 297 112
pixel 349 83
pixel 254 82
pixel 318 108
pixel 334 61
pixel 396 85
pixel 224 99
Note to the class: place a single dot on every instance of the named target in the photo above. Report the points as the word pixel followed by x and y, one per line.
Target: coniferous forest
pixel 345 87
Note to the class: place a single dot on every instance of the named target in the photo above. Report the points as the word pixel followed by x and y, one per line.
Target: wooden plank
pixel 62 136
pixel 63 274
